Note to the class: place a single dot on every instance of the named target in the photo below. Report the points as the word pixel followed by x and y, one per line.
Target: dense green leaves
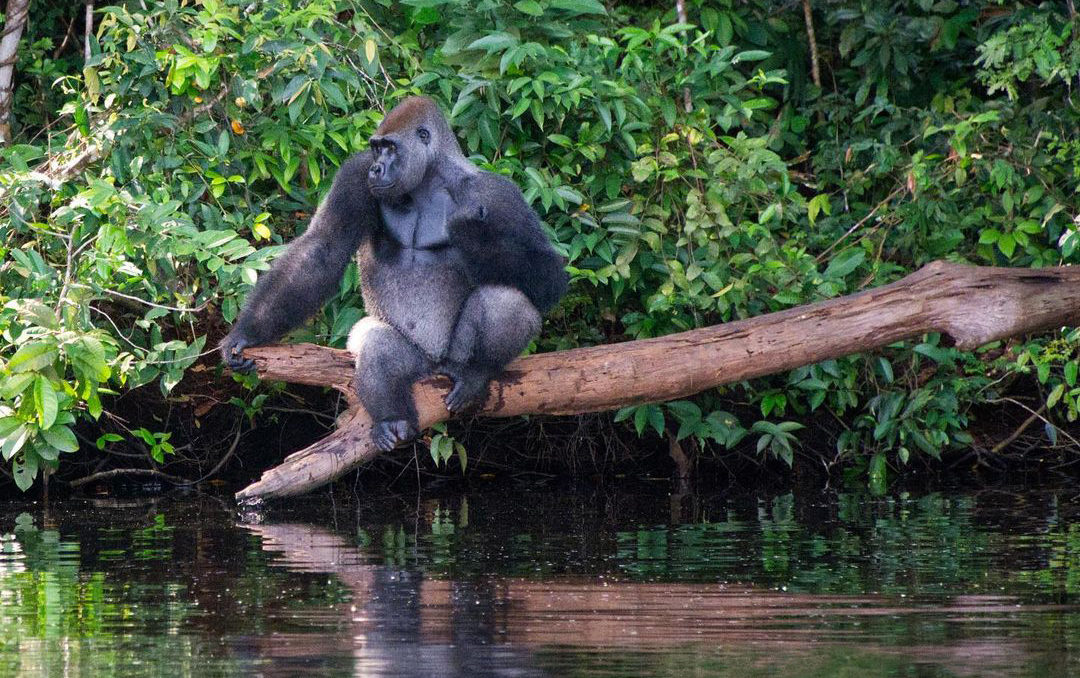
pixel 690 172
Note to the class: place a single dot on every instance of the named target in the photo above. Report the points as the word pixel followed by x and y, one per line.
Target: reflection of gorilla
pixel 455 271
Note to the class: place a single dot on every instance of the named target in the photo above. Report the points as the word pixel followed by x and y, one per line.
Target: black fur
pixel 455 271
pixel 303 278
pixel 503 243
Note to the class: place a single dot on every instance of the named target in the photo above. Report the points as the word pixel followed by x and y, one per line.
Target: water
pixel 525 582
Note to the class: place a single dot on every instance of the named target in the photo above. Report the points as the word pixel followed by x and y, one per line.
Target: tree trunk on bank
pixel 972 305
pixel 15 21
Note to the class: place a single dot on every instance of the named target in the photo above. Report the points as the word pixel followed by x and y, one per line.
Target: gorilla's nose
pixel 376 170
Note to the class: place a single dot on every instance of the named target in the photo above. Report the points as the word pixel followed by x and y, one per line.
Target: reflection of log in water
pixel 453 623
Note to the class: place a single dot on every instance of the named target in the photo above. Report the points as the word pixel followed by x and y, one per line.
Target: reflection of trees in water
pixel 404 623
pixel 611 584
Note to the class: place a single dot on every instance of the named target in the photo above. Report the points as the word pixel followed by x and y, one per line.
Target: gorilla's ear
pixel 424 134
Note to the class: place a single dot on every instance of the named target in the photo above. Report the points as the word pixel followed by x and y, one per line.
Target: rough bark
pixel 972 305
pixel 15 13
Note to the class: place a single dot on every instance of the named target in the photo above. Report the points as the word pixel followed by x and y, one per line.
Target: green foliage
pixel 691 174
pixel 442 446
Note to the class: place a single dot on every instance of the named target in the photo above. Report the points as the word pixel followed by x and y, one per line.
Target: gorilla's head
pixel 412 140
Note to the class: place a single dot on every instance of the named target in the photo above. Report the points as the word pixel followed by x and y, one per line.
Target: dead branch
pixel 16 13
pixel 972 305
pixel 117 472
pixel 815 69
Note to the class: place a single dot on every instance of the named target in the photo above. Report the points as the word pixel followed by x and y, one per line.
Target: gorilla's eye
pixel 424 135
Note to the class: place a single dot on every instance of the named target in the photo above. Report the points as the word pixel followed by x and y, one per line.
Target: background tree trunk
pixel 16 14
pixel 972 305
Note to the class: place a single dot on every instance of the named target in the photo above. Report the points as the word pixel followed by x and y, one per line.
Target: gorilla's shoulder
pixel 494 181
pixel 358 162
pixel 496 190
pixel 352 177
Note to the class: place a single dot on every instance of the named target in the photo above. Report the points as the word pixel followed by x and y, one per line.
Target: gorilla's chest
pixel 411 276
pixel 418 226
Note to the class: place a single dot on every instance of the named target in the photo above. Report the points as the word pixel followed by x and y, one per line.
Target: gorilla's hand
pixel 232 352
pixel 468 219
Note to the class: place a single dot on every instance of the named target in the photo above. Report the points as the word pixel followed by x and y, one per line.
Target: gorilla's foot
pixel 389 434
pixel 470 391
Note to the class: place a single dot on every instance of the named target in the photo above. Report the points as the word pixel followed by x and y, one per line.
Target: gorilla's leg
pixel 495 326
pixel 387 365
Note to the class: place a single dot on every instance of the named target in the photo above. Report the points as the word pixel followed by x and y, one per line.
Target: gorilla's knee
pixel 496 325
pixel 508 310
pixel 382 350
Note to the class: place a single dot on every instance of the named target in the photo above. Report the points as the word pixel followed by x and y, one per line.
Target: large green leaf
pixel 33 356
pixel 45 402
pixel 14 441
pixel 61 437
pixel 579 6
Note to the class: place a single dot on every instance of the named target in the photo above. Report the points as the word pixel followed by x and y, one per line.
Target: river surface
pixel 522 581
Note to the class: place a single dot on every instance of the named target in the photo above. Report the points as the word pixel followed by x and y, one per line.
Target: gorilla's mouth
pixel 382 187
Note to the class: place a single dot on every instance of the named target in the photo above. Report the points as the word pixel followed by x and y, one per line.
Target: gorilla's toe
pixel 383 440
pixel 389 434
pixel 467 393
pixel 242 365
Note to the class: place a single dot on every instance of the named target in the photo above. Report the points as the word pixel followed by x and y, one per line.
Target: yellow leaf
pixel 261 231
pixel 370 50
pixel 237 128
pixel 93 82
pixel 724 291
pixel 198 100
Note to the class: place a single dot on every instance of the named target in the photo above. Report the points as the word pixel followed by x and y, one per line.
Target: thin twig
pixel 815 71
pixel 1074 441
pixel 89 29
pixel 221 462
pixel 67 38
pixel 860 222
pixel 121 295
pixel 680 12
pixel 194 309
pixel 1035 416
pixel 142 351
pixel 67 274
pixel 105 475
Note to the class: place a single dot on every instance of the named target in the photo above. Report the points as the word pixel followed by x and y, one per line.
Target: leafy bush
pixel 691 173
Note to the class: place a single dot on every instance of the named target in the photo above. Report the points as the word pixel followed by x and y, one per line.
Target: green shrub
pixel 691 173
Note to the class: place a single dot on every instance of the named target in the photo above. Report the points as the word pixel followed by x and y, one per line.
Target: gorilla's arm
pixel 502 241
pixel 309 271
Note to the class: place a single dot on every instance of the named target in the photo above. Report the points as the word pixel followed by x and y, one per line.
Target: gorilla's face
pixel 401 161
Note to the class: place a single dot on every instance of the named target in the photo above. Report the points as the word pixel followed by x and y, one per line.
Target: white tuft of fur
pixel 358 334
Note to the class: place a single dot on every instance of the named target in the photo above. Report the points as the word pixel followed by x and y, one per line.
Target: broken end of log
pixel 989 303
pixel 349 446
pixel 316 464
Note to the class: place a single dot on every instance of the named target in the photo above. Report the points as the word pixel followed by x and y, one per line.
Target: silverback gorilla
pixel 455 271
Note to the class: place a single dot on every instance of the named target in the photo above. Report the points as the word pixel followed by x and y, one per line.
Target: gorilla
pixel 455 271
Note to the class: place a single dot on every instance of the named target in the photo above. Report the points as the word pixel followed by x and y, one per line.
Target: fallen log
pixel 972 305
